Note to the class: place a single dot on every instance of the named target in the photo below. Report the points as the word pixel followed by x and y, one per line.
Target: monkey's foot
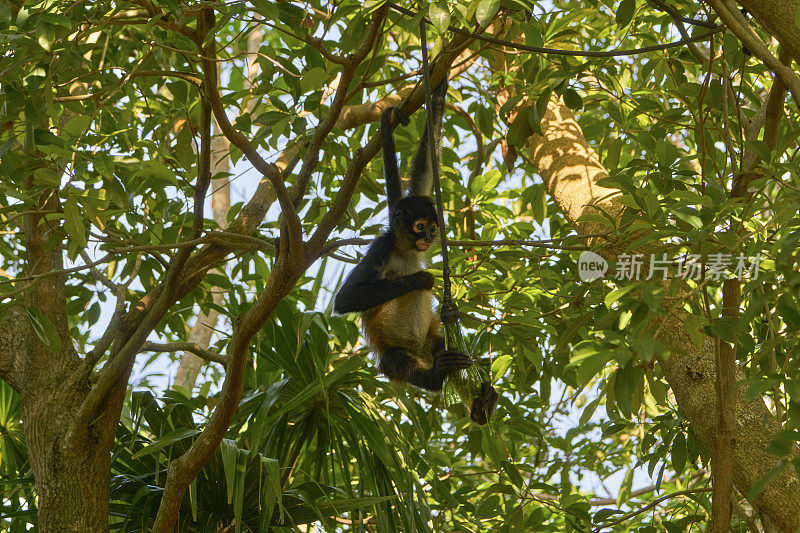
pixel 483 405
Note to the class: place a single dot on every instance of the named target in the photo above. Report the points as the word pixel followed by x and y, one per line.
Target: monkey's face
pixel 424 231
pixel 416 223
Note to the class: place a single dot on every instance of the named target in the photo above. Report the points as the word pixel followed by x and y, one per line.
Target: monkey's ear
pixel 398 217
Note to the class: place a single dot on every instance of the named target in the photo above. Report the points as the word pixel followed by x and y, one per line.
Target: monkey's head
pixel 415 222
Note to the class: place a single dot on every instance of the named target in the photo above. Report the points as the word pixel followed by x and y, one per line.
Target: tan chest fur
pixel 404 321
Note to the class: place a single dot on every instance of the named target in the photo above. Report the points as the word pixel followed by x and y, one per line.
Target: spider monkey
pixel 389 286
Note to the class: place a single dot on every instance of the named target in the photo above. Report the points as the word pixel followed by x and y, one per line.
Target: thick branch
pixel 184 469
pixel 724 456
pixel 778 17
pixel 738 25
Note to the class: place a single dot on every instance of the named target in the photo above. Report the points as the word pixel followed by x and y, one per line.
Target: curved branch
pixel 268 170
pixel 326 125
pixel 192 347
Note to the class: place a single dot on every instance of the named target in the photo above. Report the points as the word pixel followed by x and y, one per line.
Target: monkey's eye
pixel 434 229
pixel 419 227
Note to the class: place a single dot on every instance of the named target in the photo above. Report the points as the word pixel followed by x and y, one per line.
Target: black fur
pixel 364 288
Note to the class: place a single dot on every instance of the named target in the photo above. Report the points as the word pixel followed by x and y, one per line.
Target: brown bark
pixel 72 482
pixel 570 169
pixel 778 16
pixel 203 329
pixel 725 445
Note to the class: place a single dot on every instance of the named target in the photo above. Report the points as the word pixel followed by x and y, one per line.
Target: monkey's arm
pixel 398 365
pixel 390 170
pixel 420 173
pixel 363 289
pixel 359 295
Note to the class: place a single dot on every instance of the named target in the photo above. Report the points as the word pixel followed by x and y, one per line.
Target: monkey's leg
pixel 483 405
pixel 398 365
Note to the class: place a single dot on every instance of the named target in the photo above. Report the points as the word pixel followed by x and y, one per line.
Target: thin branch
pixel 196 349
pixel 330 56
pixel 555 51
pixel 650 505
pixel 326 125
pixel 96 274
pixel 203 169
pixel 268 170
pixel 481 158
pixel 599 502
pixel 675 14
pixel 226 239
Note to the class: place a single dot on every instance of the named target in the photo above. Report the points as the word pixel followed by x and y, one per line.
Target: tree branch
pixel 268 170
pixel 196 349
pixel 650 505
pixel 326 125
pixel 739 27
pixel 361 157
pixel 771 114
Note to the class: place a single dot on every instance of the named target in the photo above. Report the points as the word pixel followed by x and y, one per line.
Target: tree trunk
pixel 72 483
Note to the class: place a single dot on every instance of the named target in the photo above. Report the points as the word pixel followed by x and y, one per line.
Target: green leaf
pixel 625 489
pixel 628 385
pixel 314 79
pixel 73 222
pixel 588 360
pixel 76 125
pixel 46 176
pixel 616 294
pixel 725 327
pixel 513 474
pixel 788 311
pixel 500 366
pixel 440 16
pixel 625 12
pixel 169 439
pixel 573 99
pixel 486 10
pixel 589 411
pixel 44 329
pixel 535 120
pixel 678 453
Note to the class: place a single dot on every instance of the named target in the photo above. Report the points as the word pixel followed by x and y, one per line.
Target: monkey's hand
pixel 445 362
pixel 420 281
